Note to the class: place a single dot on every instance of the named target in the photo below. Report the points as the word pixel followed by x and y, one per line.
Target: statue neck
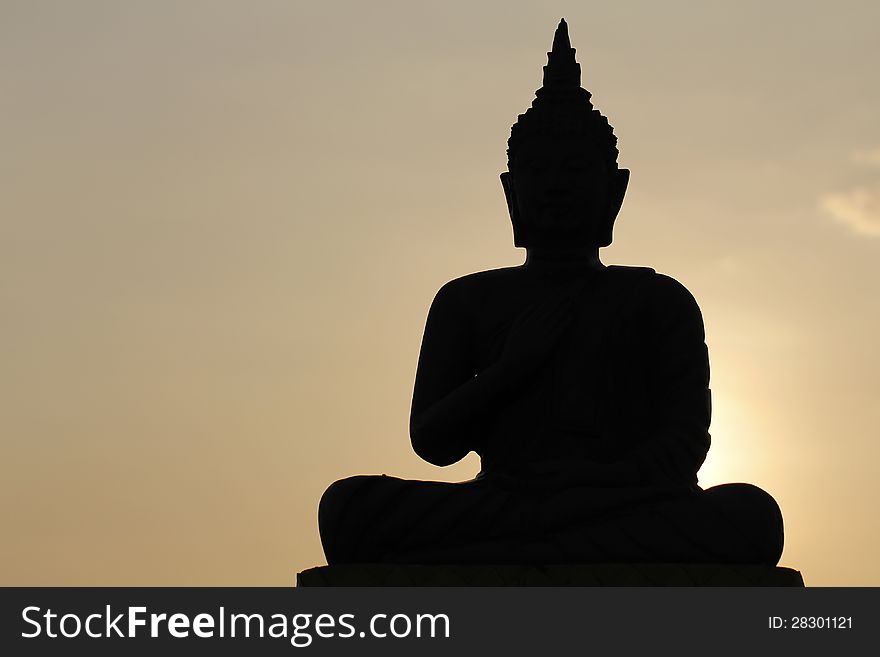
pixel 574 258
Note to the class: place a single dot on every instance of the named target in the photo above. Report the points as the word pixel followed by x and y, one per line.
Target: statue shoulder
pixel 473 289
pixel 627 273
pixel 672 293
pixel 667 296
pixel 651 281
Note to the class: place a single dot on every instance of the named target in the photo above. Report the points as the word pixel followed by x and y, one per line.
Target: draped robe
pixel 595 457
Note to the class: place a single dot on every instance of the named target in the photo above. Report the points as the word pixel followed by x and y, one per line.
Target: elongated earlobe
pixel 512 208
pixel 619 183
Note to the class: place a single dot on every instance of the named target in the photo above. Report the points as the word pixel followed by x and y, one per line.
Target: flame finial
pixel 562 70
pixel 561 106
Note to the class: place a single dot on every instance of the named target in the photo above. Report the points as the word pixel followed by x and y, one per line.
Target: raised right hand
pixel 536 331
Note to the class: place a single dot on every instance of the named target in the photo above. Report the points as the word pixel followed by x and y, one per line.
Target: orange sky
pixel 220 220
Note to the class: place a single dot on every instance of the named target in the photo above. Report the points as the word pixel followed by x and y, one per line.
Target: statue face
pixel 561 192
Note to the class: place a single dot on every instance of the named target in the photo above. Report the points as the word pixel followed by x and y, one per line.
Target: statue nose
pixel 557 194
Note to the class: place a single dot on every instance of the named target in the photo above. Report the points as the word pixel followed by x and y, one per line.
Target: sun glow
pixel 728 456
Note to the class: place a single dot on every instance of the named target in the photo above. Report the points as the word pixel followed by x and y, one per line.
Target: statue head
pixel 563 187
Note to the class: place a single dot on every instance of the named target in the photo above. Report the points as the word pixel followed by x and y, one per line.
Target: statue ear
pixel 512 207
pixel 619 183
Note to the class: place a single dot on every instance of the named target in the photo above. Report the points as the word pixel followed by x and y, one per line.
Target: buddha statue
pixel 582 387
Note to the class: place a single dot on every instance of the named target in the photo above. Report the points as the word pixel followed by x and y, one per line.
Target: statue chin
pixel 562 239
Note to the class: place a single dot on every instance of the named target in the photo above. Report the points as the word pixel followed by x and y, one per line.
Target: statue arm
pixel 675 452
pixel 449 398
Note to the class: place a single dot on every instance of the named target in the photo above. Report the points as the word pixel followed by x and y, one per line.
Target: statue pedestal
pixel 610 574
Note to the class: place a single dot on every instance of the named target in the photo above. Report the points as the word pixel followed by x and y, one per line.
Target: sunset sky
pixel 222 225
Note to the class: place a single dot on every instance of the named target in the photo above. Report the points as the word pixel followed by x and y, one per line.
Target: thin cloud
pixel 858 209
pixel 870 156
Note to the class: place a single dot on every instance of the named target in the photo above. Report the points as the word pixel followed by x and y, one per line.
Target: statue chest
pixel 592 395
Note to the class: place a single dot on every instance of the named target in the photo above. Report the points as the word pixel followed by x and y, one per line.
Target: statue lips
pixel 557 215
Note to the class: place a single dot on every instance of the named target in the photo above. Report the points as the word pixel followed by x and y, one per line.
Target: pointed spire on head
pixel 562 70
pixel 560 39
pixel 562 106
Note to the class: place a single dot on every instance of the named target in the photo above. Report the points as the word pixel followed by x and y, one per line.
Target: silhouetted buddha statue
pixel 583 388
